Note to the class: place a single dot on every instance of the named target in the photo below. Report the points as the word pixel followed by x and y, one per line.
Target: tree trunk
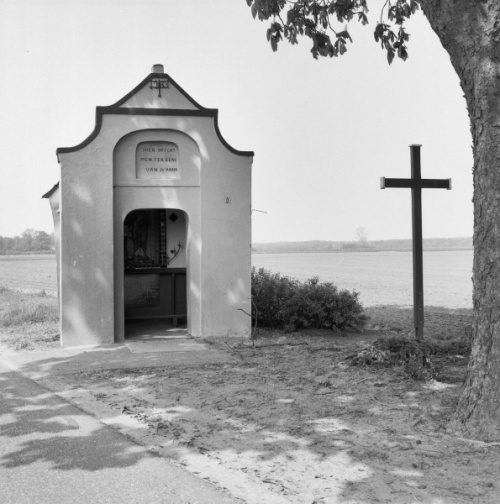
pixel 470 32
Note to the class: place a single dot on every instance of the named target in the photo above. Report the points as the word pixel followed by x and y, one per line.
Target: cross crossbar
pixel 409 183
pixel 416 183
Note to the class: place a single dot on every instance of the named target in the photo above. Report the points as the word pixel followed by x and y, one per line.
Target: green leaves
pixel 340 43
pixel 316 20
pixel 322 45
pixel 274 35
pixel 265 9
pixel 392 43
pixel 362 18
pixel 285 303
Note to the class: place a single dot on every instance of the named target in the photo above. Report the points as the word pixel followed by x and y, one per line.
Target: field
pixel 381 278
pixel 32 273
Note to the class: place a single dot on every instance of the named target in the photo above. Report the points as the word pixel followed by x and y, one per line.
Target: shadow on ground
pixel 286 421
pixel 37 426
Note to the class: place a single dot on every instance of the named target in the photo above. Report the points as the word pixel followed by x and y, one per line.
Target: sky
pixel 323 131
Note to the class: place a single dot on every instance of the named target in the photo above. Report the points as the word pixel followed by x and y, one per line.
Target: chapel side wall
pixel 87 247
pixel 54 200
pixel 226 238
pixel 57 243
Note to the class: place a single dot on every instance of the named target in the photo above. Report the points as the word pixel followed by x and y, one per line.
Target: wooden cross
pixel 416 184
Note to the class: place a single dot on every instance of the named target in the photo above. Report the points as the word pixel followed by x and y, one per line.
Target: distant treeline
pixel 30 242
pixel 361 245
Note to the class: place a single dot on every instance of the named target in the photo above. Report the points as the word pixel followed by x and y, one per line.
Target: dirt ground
pixel 291 421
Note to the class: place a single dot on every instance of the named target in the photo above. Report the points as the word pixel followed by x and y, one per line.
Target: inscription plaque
pixel 157 160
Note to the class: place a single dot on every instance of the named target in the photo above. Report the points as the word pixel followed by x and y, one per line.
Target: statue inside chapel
pixel 136 234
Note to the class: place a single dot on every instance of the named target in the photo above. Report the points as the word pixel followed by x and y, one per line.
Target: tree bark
pixel 469 30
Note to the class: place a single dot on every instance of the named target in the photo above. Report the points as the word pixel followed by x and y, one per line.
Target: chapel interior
pixel 154 252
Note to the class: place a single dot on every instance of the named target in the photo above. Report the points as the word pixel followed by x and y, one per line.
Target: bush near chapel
pixel 285 303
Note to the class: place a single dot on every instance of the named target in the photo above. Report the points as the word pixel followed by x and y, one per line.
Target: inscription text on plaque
pixel 157 160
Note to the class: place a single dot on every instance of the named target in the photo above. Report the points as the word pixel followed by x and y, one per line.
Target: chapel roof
pixel 48 194
pixel 139 101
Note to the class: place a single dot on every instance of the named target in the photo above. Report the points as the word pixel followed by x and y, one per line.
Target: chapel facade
pixel 152 219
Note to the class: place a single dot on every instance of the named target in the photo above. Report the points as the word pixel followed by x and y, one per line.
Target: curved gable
pixel 157 94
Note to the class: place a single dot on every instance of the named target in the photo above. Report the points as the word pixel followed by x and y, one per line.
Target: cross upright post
pixel 416 184
pixel 418 256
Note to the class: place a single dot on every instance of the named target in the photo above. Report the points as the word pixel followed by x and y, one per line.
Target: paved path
pixel 39 364
pixel 51 452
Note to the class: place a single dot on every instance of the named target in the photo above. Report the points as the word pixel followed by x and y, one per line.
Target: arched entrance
pixel 154 272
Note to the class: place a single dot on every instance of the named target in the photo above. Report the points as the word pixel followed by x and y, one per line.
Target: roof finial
pixel 157 69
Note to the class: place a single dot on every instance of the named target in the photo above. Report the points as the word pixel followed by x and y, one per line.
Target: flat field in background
pixel 383 277
pixel 29 273
pixel 380 277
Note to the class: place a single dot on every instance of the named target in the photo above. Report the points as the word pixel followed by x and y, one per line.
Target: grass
pixel 17 308
pixel 28 320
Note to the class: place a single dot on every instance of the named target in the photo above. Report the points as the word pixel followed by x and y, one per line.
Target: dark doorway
pixel 154 271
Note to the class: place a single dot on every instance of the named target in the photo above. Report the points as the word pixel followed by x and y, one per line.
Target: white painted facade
pixel 101 182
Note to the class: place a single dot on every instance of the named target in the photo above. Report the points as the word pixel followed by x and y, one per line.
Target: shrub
pixel 270 292
pixel 285 303
pixel 416 357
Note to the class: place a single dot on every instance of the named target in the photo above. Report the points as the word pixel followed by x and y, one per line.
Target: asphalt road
pixel 51 452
